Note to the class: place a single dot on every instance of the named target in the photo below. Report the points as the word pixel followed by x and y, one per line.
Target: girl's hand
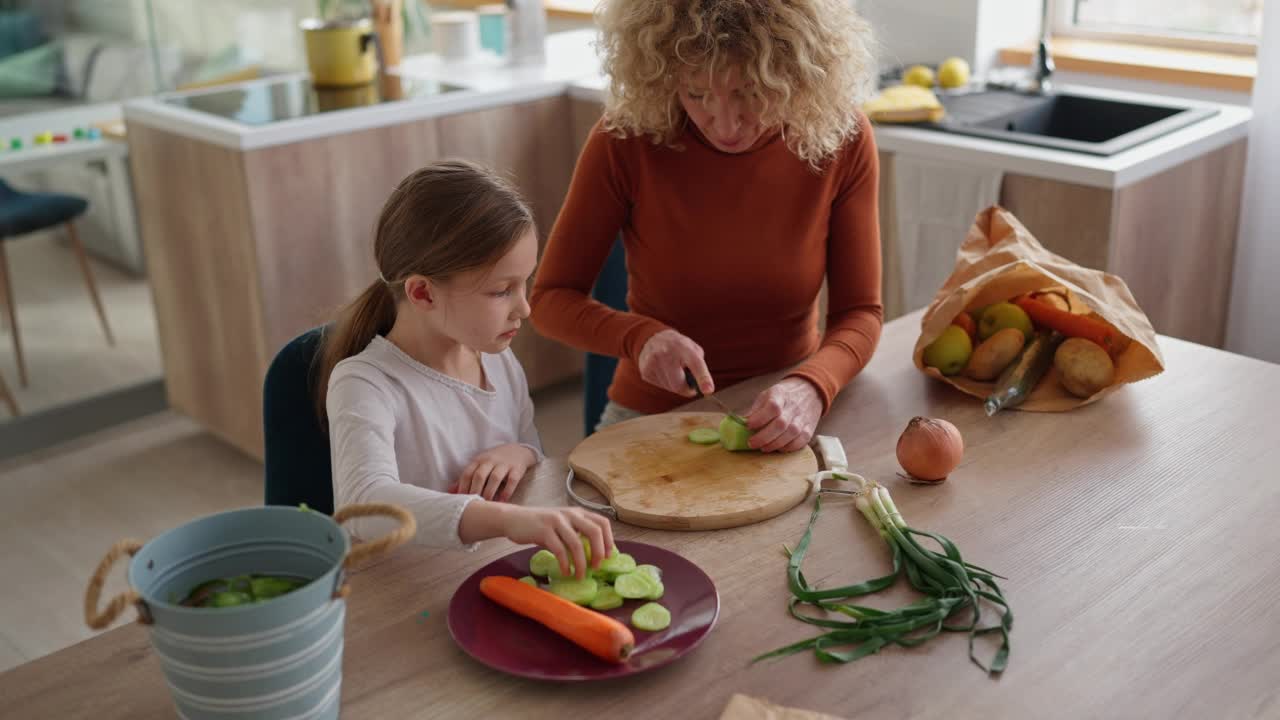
pixel 501 467
pixel 557 530
pixel 665 356
pixel 785 416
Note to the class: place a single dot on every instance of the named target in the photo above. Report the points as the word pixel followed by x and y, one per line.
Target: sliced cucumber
pixel 230 598
pixel 543 564
pixel 734 435
pixel 634 585
pixel 652 570
pixel 657 592
pixel 704 436
pixel 581 592
pixel 651 617
pixel 606 599
pixel 528 580
pixel 620 564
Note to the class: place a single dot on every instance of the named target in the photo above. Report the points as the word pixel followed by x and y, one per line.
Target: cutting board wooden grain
pixel 654 477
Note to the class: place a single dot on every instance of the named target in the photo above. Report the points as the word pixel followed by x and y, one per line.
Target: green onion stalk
pixel 953 590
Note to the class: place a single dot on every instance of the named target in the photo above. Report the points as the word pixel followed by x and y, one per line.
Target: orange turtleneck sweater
pixel 728 249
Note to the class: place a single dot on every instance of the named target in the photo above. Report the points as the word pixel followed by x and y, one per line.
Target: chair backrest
pixel 597 375
pixel 298 467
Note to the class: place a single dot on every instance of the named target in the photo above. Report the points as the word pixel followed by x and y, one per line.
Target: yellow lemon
pixel 918 75
pixel 953 73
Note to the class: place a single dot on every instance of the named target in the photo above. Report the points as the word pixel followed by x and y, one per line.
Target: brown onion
pixel 929 449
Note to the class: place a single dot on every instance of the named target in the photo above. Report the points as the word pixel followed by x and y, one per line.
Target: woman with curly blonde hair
pixel 734 162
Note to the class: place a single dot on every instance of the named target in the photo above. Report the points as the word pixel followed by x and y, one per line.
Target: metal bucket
pixel 279 658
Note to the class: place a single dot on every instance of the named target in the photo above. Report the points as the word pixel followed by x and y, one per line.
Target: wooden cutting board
pixel 654 477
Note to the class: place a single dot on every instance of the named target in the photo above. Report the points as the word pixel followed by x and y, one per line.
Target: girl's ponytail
pixel 372 313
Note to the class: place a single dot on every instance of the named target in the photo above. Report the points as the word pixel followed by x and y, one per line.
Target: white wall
pixel 1252 325
pixel 922 31
pixel 1002 24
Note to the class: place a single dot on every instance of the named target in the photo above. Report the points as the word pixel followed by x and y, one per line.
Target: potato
pixel 994 354
pixel 1083 366
pixel 1053 298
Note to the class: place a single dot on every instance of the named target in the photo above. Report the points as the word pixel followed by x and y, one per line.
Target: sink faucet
pixel 1042 63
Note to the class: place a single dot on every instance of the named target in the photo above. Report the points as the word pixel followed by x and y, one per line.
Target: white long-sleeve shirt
pixel 401 432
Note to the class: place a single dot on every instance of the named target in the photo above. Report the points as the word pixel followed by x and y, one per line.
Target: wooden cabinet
pixel 1171 237
pixel 246 250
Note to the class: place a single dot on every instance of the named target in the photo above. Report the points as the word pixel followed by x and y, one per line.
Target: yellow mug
pixel 340 53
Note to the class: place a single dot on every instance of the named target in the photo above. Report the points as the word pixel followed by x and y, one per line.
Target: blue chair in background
pixel 298 468
pixel 610 289
pixel 22 213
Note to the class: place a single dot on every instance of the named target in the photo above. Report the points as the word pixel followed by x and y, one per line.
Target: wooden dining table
pixel 1140 536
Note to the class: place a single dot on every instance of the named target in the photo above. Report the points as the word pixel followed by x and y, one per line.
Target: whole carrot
pixel 599 634
pixel 1073 325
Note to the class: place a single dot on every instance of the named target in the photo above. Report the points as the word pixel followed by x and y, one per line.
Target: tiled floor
pixel 61 509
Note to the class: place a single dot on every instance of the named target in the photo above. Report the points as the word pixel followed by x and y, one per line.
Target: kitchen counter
pixel 572 67
pixel 485 82
pixel 1132 532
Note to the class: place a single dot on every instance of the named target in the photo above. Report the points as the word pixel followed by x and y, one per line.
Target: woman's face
pixel 725 108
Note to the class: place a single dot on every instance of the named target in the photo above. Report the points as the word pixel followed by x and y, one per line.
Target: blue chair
pixel 597 375
pixel 298 468
pixel 27 212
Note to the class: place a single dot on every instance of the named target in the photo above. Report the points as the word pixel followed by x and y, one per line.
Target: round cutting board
pixel 654 477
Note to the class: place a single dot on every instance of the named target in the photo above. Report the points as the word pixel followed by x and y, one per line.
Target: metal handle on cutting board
pixel 606 510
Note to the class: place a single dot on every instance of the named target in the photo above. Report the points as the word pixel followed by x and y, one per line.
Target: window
pixel 1232 25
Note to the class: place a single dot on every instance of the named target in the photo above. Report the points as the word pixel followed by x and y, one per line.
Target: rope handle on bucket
pixel 99 620
pixel 392 540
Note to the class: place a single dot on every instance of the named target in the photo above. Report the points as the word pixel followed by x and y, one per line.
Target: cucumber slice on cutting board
pixel 734 435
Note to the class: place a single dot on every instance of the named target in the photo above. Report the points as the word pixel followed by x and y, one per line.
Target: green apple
pixel 1001 315
pixel 950 352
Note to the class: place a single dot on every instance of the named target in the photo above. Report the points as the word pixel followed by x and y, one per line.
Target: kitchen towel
pixel 934 202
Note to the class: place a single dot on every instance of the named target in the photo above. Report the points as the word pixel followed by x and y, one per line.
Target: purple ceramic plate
pixel 517 645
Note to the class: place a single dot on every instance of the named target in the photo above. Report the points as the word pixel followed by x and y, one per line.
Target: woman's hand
pixel 784 417
pixel 501 467
pixel 557 529
pixel 663 360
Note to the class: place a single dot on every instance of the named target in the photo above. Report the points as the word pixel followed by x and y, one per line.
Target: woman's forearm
pixel 846 348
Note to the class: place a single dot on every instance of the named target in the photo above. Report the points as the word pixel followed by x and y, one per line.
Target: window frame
pixel 1062 25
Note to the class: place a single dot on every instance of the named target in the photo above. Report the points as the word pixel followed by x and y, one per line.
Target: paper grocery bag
pixel 1000 260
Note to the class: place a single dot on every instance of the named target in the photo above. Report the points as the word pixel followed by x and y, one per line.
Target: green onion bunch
pixel 953 590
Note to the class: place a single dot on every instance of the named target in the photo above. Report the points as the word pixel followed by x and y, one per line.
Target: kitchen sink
pixel 1081 123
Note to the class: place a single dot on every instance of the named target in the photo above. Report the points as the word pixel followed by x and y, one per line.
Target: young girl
pixel 426 405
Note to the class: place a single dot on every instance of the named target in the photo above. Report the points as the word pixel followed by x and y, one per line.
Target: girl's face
pixel 725 109
pixel 483 309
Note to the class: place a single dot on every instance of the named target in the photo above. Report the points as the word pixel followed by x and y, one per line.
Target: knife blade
pixel 693 385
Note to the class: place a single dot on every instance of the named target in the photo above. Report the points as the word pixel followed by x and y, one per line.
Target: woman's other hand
pixel 784 417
